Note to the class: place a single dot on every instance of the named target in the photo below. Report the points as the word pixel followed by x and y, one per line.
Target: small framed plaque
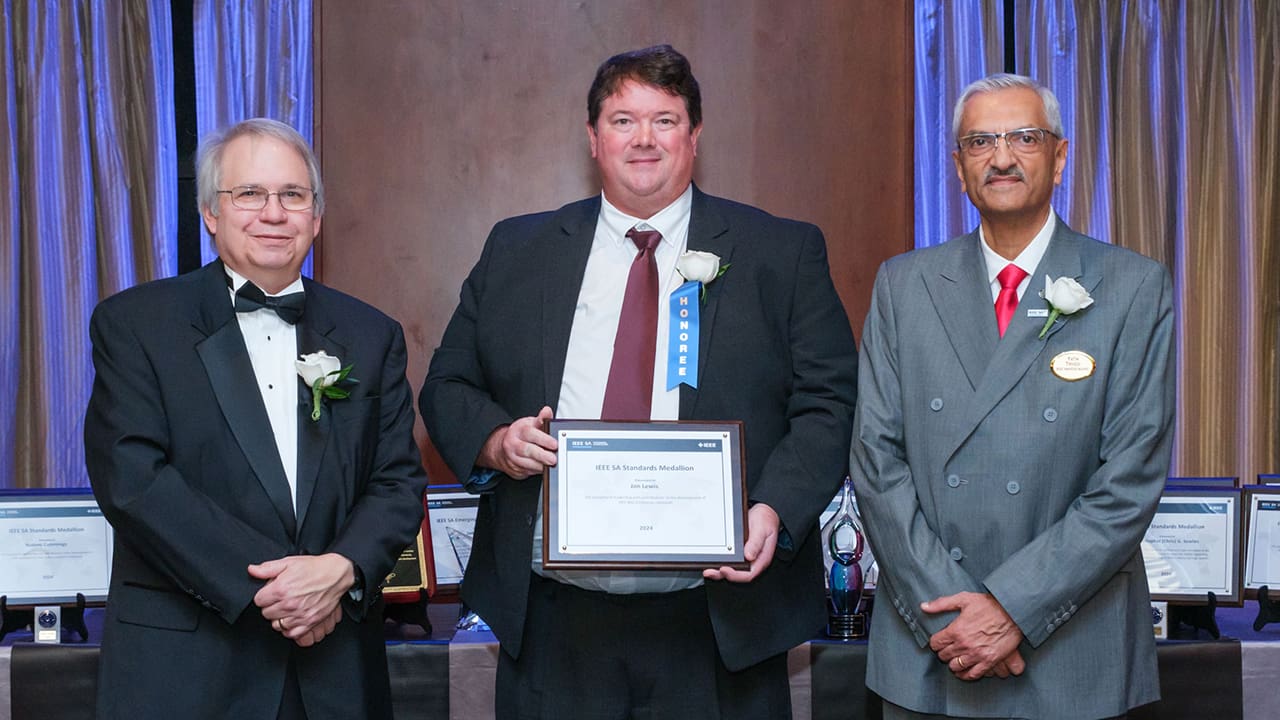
pixel 1192 546
pixel 409 575
pixel 451 514
pixel 1262 537
pixel 645 495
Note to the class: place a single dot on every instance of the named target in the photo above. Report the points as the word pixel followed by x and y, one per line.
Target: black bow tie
pixel 289 307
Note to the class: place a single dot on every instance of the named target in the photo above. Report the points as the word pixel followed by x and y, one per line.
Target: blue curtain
pixel 88 207
pixel 88 203
pixel 956 42
pixel 253 59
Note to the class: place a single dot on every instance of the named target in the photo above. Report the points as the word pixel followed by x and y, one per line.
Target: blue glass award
pixel 844 544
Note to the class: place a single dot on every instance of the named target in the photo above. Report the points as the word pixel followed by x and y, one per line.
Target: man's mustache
pixel 1013 172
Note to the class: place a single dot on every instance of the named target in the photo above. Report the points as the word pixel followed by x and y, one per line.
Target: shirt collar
pixel 237 280
pixel 1028 259
pixel 667 221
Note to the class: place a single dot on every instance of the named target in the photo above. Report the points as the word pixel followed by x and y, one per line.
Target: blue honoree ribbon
pixel 682 336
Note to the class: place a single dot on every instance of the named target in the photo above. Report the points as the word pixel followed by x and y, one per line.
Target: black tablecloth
pixel 1199 678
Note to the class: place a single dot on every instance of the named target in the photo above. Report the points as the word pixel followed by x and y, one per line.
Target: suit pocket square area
pixel 149 607
pixel 355 409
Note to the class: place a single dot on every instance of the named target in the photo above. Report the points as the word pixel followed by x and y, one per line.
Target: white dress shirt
pixel 273 346
pixel 1028 259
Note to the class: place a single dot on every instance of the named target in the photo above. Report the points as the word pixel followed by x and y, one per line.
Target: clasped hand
pixel 303 594
pixel 982 642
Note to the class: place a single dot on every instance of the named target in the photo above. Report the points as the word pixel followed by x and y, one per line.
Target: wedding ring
pixel 961 661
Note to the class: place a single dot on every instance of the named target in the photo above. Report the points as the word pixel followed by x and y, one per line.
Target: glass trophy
pixel 844 545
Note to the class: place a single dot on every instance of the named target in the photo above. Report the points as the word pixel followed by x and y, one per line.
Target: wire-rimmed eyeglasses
pixel 1023 140
pixel 253 197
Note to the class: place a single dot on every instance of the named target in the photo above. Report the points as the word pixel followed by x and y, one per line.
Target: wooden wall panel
pixel 434 120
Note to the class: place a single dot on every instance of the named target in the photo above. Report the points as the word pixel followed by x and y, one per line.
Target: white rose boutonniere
pixel 1065 297
pixel 700 267
pixel 322 372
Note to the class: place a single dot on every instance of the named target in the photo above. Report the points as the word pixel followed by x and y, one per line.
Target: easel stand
pixel 1199 617
pixel 1268 610
pixel 24 617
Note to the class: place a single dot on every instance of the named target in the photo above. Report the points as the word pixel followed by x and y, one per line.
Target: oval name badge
pixel 1072 365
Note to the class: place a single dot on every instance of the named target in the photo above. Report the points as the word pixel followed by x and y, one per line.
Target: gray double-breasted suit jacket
pixel 183 461
pixel 978 469
pixel 776 352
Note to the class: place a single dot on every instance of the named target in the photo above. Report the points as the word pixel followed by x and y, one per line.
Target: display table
pixel 447 674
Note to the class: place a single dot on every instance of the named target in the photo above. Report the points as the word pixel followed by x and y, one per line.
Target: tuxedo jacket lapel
pixel 226 362
pixel 708 232
pixel 564 262
pixel 313 335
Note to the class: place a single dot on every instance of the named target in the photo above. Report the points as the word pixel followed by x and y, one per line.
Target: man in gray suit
pixel 1007 463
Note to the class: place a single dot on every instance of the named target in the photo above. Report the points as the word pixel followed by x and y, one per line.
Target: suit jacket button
pixel 1013 487
pixel 1050 414
pixel 1051 627
pixel 528 520
pixel 953 481
pixel 956 554
pixel 935 404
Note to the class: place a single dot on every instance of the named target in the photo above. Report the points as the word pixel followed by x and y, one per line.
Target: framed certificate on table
pixel 1192 546
pixel 644 495
pixel 54 544
pixel 1262 537
pixel 451 513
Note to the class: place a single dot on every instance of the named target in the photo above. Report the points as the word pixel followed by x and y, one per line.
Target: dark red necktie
pixel 629 394
pixel 1007 300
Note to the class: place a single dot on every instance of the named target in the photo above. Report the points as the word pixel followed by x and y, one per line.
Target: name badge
pixel 1038 312
pixel 1072 365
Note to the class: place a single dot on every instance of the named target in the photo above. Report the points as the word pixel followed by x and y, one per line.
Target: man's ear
pixel 210 220
pixel 592 138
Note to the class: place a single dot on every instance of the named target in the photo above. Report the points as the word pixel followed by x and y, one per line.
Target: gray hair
pixel 1007 81
pixel 209 159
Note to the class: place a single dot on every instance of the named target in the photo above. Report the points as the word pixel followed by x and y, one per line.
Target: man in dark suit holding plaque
pixel 564 314
pixel 1011 445
pixel 258 500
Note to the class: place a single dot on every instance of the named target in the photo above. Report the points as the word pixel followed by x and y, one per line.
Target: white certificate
pixel 452 518
pixel 1262 553
pixel 53 546
pixel 1192 546
pixel 644 495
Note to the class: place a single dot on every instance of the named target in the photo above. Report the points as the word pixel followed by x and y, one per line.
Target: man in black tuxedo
pixel 254 519
pixel 546 325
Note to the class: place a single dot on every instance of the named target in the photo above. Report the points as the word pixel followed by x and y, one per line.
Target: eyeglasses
pixel 1024 141
pixel 252 197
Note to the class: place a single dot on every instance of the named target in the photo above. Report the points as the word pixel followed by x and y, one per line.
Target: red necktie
pixel 629 394
pixel 1007 300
